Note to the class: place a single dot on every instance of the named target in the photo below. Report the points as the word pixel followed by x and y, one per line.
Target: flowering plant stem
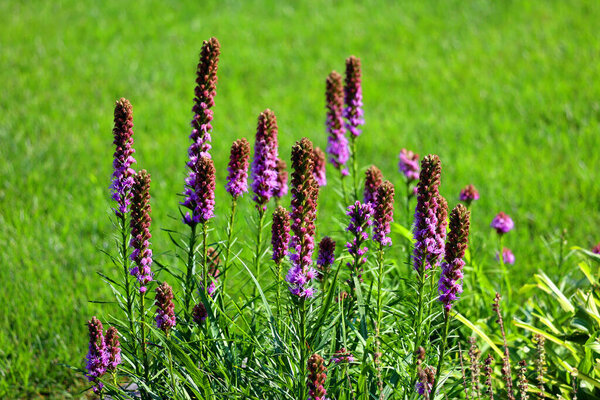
pixel 190 268
pixel 143 341
pixel 442 354
pixel 503 266
pixel 261 219
pixel 354 167
pixel 205 278
pixel 418 323
pixel 302 366
pixel 128 295
pixel 228 251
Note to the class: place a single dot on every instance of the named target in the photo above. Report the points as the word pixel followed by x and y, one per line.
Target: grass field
pixel 505 92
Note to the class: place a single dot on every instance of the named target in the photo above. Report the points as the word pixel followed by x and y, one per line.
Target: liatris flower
pixel 360 220
pixel 450 285
pixel 540 362
pixel 409 164
pixel 507 256
pixel 199 313
pixel 337 143
pixel 426 379
pixel 506 369
pixel 326 254
pixel 502 223
pixel 596 249
pixel 97 357
pixel 305 192
pixel 237 179
pixel 204 100
pixel 523 384
pixel 280 233
pixel 213 269
pixel 319 166
pixel 165 309
pixel 140 229
pixel 469 194
pixel 373 179
pixel 113 348
pixel 442 220
pixel 474 355
pixel 487 369
pixel 282 179
pixel 353 96
pixel 384 213
pixel 317 374
pixel 264 164
pixel 200 192
pixel 123 156
pixel 342 356
pixel 429 246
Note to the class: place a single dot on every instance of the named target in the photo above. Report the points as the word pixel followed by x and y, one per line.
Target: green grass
pixel 506 93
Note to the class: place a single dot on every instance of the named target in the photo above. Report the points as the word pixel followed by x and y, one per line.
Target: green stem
pixel 191 267
pixel 302 369
pixel 261 218
pixel 344 190
pixel 503 266
pixel 171 366
pixel 228 245
pixel 205 277
pixel 354 167
pixel 128 296
pixel 408 195
pixel 419 320
pixel 278 293
pixel 379 285
pixel 143 338
pixel 442 355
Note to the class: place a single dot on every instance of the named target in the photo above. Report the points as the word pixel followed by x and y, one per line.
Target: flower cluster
pixel 326 254
pixel 319 166
pixel 280 233
pixel 165 309
pixel 200 192
pixel 140 229
pixel 264 165
pixel 282 179
pixel 450 284
pixel 305 192
pixel 469 194
pixel 337 143
pixel 373 179
pixel 237 179
pixel 122 177
pixel 342 356
pixel 104 353
pixel 429 245
pixel 383 213
pixel 199 313
pixel 317 374
pixel 204 100
pixel 502 223
pixel 409 165
pixel 507 256
pixel 353 111
pixel 360 220
pixel 213 261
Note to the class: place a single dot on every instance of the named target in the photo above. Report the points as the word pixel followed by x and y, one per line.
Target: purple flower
pixel 204 100
pixel 326 254
pixel 337 143
pixel 373 179
pixel 360 220
pixel 113 348
pixel 342 356
pixel 317 374
pixel 383 214
pixel 305 193
pixel 596 249
pixel 123 156
pixel 237 179
pixel 502 223
pixel 97 357
pixel 319 166
pixel 140 229
pixel 409 164
pixel 450 284
pixel 199 313
pixel 280 233
pixel 264 164
pixel 282 179
pixel 353 96
pixel 507 256
pixel 429 244
pixel 165 309
pixel 469 194
pixel 200 192
pixel 426 379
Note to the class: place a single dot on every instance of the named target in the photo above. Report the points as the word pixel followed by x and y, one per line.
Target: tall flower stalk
pixel 337 143
pixel 280 238
pixel 450 284
pixel 264 173
pixel 305 192
pixel 353 112
pixel 360 219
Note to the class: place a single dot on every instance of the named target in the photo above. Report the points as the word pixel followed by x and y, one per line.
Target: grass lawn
pixel 506 93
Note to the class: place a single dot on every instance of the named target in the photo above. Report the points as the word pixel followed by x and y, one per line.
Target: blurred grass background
pixel 505 92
